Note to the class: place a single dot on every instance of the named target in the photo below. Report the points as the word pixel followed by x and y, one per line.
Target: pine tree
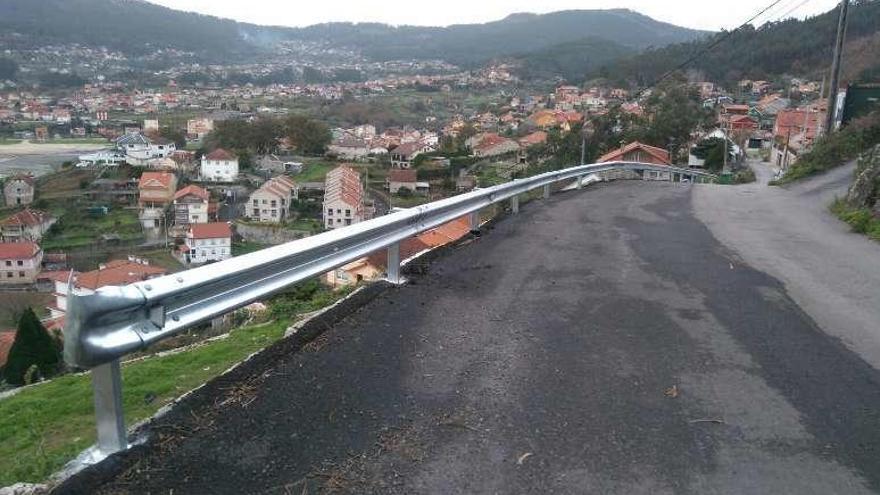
pixel 32 346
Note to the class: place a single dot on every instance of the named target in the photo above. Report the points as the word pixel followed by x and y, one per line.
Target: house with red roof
pixel 155 193
pixel 219 166
pixel 271 201
pixel 637 152
pixel 343 198
pixel 25 225
pixel 398 179
pixel 206 242
pixel 491 144
pixel 191 205
pixel 113 273
pixel 20 263
pixel 403 155
pixel 375 265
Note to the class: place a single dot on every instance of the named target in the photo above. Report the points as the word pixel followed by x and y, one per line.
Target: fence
pixel 112 322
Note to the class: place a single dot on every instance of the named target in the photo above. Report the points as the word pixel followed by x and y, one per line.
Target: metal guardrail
pixel 104 326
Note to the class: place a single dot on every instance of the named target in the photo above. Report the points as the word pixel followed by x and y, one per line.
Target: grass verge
pixel 862 220
pixel 43 427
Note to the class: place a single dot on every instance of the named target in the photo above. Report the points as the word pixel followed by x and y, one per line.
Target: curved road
pixel 602 341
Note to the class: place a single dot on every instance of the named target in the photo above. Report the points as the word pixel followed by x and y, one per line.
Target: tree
pixel 712 151
pixel 307 135
pixel 33 346
pixel 178 136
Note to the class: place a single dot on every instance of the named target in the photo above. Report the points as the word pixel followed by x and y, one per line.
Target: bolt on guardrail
pixel 104 326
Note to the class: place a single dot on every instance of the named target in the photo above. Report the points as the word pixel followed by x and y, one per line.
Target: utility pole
pixel 835 67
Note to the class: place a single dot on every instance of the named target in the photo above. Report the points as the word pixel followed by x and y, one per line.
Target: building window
pixel 274 204
pixel 347 221
pixel 274 213
pixel 8 263
pixel 20 263
pixel 21 274
pixel 329 213
pixel 348 213
pixel 8 274
pixel 256 202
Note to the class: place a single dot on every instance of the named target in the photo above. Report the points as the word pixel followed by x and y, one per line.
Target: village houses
pixel 20 263
pixel 343 198
pixel 25 225
pixel 155 192
pixel 18 190
pixel 191 205
pixel 206 242
pixel 398 179
pixel 115 272
pixel 403 155
pixel 219 166
pixel 271 201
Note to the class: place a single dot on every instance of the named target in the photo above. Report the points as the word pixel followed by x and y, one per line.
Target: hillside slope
pixel 139 27
pixel 789 47
pixel 517 33
pixel 131 26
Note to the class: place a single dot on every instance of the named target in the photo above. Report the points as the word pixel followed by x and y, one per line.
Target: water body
pixel 39 159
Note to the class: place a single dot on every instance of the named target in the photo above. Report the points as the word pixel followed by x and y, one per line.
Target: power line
pixel 726 36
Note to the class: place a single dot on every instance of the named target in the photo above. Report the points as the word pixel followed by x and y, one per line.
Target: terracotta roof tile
pixel 212 230
pixel 18 250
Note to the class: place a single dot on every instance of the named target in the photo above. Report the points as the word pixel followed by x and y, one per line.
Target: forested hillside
pixel 131 26
pixel 788 47
pixel 139 27
pixel 516 34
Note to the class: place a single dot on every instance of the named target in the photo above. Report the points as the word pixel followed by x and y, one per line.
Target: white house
pixel 219 166
pixel 191 205
pixel 343 198
pixel 19 263
pixel 139 150
pixel 271 202
pixel 206 242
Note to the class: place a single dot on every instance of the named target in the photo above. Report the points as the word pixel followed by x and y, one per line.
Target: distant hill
pixel 572 60
pixel 131 26
pixel 794 47
pixel 516 34
pixel 139 27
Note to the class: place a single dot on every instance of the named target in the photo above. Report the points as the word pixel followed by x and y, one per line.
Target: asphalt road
pixel 602 341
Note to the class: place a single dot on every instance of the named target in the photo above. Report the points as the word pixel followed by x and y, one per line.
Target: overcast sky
pixel 699 14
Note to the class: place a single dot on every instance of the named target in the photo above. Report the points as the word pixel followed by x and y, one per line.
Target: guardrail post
pixel 393 270
pixel 514 204
pixel 107 385
pixel 547 191
pixel 580 183
pixel 474 221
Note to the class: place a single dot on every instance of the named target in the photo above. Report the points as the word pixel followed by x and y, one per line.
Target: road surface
pixel 602 341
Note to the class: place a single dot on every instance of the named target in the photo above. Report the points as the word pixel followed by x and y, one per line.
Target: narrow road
pixel 833 274
pixel 602 341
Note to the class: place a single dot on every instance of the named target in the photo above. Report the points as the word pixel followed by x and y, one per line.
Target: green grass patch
pixel 43 427
pixel 245 247
pixel 310 225
pixel 7 141
pixel 314 172
pixel 75 228
pixel 862 220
